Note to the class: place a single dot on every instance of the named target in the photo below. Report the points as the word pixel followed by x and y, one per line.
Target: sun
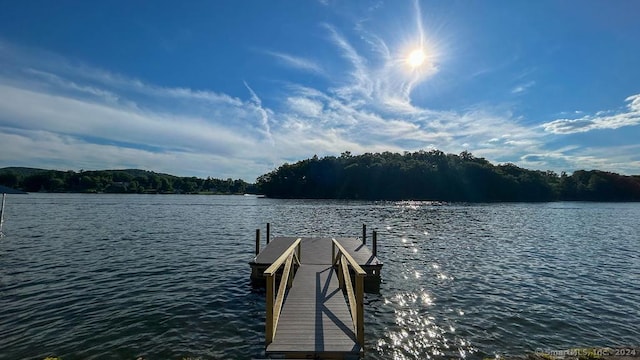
pixel 416 58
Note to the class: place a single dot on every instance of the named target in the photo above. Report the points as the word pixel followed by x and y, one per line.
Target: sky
pixel 237 88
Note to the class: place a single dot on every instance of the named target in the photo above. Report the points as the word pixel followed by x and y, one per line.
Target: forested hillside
pixel 434 175
pixel 116 181
pixel 421 175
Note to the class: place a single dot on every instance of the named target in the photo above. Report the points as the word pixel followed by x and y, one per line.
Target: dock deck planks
pixel 315 318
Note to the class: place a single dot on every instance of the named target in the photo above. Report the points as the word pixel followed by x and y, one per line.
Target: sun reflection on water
pixel 418 334
pixel 424 327
pixel 421 329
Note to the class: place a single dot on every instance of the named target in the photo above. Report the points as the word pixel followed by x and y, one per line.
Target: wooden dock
pixel 314 295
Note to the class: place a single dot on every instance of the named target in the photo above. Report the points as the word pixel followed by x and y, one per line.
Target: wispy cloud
pixel 28 109
pixel 361 80
pixel 522 87
pixel 50 150
pixel 610 158
pixel 386 81
pixel 262 112
pixel 602 120
pixel 297 62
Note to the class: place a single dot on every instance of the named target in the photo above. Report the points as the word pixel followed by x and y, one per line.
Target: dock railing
pixel 343 260
pixel 275 300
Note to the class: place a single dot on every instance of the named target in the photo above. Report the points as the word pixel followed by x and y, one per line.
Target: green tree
pixel 9 179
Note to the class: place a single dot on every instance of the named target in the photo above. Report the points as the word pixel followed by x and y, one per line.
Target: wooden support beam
pixel 348 286
pixel 271 270
pixel 275 300
pixel 341 250
pixel 269 334
pixel 360 309
pixel 277 307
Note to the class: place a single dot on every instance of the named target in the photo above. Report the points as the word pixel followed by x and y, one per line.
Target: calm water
pixel 122 276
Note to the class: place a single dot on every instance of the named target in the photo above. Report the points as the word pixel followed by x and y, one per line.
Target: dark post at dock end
pixel 375 243
pixel 364 234
pixel 268 232
pixel 257 241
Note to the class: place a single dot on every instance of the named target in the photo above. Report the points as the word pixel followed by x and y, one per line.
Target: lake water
pixel 122 276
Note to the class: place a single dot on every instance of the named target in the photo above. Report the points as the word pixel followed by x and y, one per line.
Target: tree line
pixel 421 175
pixel 434 175
pixel 117 181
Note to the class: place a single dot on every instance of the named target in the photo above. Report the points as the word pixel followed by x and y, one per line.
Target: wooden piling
pixel 268 232
pixel 375 243
pixel 257 241
pixel 364 234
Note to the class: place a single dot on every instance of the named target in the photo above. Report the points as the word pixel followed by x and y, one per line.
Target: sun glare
pixel 416 58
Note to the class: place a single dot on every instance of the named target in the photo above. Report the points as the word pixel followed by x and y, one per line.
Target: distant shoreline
pixel 260 196
pixel 422 175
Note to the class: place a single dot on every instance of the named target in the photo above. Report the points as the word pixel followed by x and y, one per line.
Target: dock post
pixel 375 243
pixel 2 213
pixel 257 241
pixel 270 302
pixel 360 309
pixel 333 253
pixel 364 234
pixel 268 232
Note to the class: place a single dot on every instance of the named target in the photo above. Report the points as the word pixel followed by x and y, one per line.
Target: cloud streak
pixel 599 121
pixel 297 62
pixel 262 112
pixel 523 87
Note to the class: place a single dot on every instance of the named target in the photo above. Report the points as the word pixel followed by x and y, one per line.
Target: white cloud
pixel 262 112
pixel 33 110
pixel 54 151
pixel 619 159
pixel 72 86
pixel 305 106
pixel 601 120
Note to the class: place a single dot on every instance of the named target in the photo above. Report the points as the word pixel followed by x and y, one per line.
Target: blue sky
pixel 236 88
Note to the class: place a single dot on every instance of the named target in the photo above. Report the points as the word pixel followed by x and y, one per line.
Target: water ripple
pixel 118 277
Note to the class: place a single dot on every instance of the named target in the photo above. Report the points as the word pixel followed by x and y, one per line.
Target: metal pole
pixel 257 241
pixel 2 213
pixel 268 232
pixel 364 234
pixel 375 243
